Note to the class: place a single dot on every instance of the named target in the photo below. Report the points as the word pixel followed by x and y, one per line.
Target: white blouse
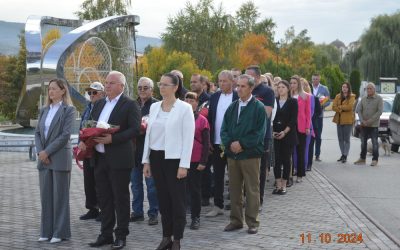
pixel 157 135
pixel 50 116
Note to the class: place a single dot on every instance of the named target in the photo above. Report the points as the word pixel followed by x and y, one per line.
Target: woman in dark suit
pixel 285 135
pixel 166 156
pixel 52 138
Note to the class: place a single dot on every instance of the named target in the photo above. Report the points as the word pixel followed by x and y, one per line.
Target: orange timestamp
pixel 327 238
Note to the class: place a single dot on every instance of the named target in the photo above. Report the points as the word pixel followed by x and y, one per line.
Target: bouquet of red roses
pixel 91 130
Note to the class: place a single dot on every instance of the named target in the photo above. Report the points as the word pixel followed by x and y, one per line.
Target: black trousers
pixel 311 153
pixel 283 153
pixel 265 161
pixel 89 184
pixel 219 175
pixel 194 187
pixel 206 181
pixel 112 187
pixel 171 194
pixel 301 151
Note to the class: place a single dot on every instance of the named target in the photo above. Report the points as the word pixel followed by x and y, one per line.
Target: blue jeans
pixel 369 132
pixel 138 194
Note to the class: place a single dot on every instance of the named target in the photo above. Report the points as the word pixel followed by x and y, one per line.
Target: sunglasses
pixel 94 92
pixel 144 88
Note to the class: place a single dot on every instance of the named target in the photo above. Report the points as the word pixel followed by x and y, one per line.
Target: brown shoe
pixel 374 163
pixel 252 230
pixel 232 227
pixel 360 162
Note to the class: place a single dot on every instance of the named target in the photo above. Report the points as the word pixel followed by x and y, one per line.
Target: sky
pixel 325 20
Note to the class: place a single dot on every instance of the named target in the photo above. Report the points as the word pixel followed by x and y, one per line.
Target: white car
pixel 384 119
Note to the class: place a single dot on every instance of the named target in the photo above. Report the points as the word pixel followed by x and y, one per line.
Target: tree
pixel 205 32
pixel 13 80
pixel 325 55
pixel 355 82
pixel 380 48
pixel 97 9
pixel 157 62
pixel 246 17
pixel 253 50
pixel 332 77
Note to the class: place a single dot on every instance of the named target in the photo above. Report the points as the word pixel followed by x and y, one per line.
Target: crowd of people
pixel 183 145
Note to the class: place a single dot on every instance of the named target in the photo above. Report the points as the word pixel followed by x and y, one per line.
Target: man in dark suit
pixel 219 103
pixel 115 159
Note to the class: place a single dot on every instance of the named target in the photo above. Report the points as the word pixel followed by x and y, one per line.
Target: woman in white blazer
pixel 55 161
pixel 166 156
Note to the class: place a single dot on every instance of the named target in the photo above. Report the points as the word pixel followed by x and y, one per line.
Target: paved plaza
pixel 312 208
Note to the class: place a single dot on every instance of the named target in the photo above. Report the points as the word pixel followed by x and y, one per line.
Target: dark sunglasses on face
pixel 144 88
pixel 94 92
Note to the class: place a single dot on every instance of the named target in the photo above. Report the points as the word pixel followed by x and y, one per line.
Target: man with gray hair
pixel 219 103
pixel 114 160
pixel 369 111
pixel 145 99
pixel 242 134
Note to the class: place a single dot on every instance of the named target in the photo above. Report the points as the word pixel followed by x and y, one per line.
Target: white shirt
pixel 50 116
pixel 243 104
pixel 105 115
pixel 315 90
pixel 157 135
pixel 223 103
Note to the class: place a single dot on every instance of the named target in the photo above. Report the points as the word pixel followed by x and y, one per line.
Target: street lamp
pixel 277 57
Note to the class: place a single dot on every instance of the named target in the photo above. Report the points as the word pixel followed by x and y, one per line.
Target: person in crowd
pixel 242 135
pixel 303 125
pixel 235 73
pixel 275 82
pixel 266 95
pixel 166 156
pixel 369 111
pixel 285 135
pixel 114 160
pixel 213 88
pixel 145 100
pixel 197 85
pixel 52 140
pixel 315 112
pixel 344 118
pixel 95 92
pixel 182 89
pixel 199 158
pixel 322 93
pixel 219 103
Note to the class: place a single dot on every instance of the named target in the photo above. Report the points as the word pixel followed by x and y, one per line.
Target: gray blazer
pixel 57 144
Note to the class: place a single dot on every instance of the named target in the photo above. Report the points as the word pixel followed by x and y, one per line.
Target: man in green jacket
pixel 242 135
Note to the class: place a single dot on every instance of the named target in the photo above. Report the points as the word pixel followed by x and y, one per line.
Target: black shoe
pixel 165 244
pixel 275 191
pixel 282 192
pixel 135 218
pixel 289 182
pixel 317 159
pixel 344 160
pixel 205 202
pixel 232 227
pixel 308 168
pixel 101 241
pixel 91 214
pixel 341 158
pixel 227 207
pixel 153 220
pixel 252 230
pixel 98 218
pixel 195 225
pixel 118 244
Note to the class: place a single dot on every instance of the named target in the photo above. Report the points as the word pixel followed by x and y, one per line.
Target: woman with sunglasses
pixel 166 156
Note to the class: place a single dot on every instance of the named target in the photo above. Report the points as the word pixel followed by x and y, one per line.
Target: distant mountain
pixel 9 41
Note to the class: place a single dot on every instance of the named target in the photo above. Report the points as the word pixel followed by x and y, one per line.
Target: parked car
pixel 384 119
pixel 394 123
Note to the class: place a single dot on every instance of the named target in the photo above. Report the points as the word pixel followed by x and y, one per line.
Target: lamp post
pixel 277 57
